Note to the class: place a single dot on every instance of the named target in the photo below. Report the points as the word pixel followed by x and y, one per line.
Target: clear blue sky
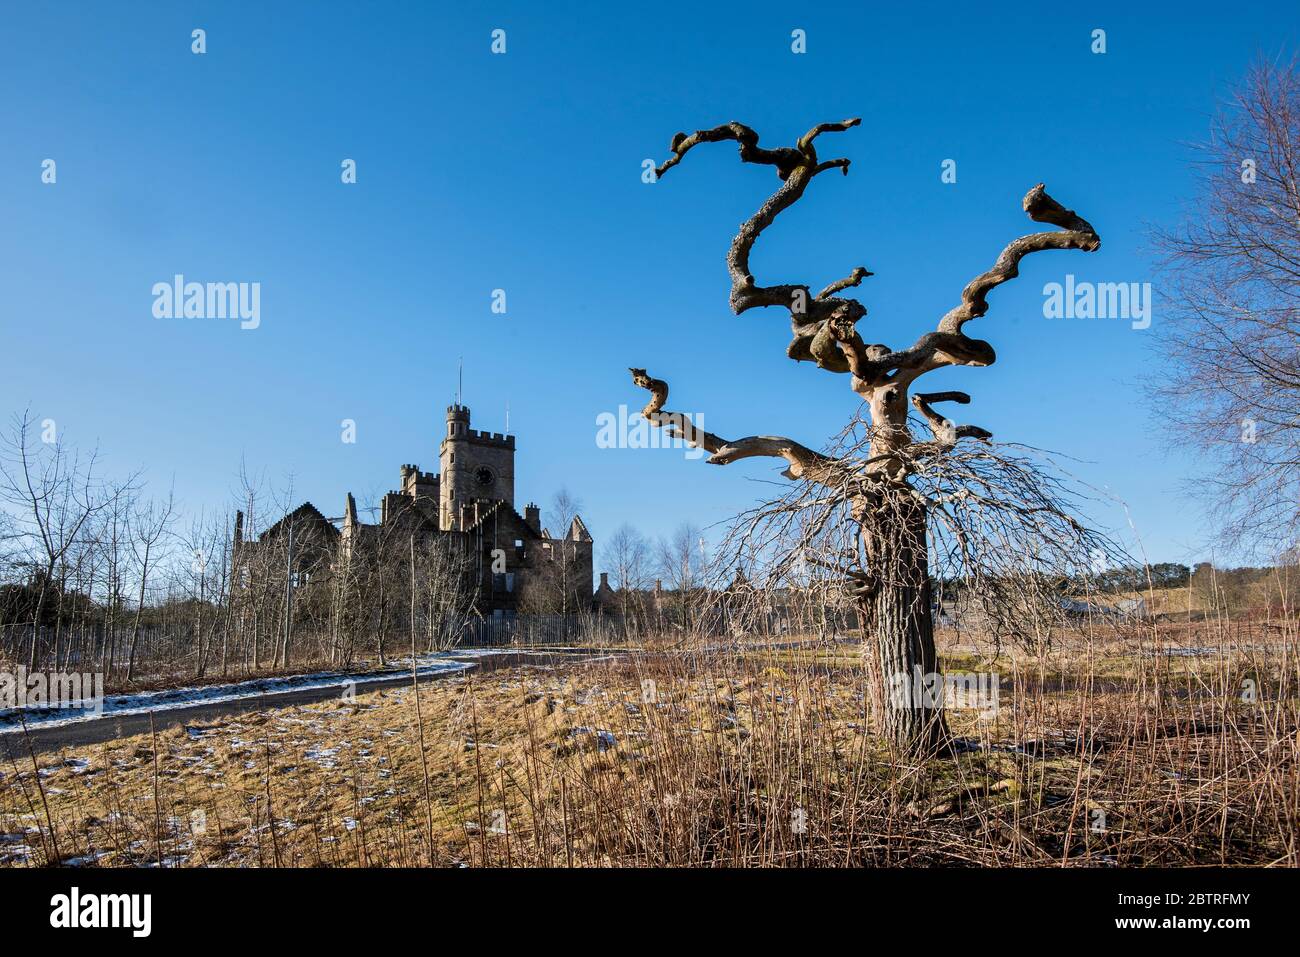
pixel 522 172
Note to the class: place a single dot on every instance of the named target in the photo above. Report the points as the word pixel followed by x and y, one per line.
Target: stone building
pixel 514 565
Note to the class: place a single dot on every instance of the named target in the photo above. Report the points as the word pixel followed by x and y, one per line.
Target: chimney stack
pixel 533 517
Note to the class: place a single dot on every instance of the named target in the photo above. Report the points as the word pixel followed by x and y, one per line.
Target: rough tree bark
pixel 891 581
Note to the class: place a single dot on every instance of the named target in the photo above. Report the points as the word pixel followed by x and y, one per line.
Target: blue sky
pixel 522 172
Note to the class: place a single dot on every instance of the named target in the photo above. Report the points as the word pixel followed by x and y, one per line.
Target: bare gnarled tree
pixel 1232 271
pixel 887 514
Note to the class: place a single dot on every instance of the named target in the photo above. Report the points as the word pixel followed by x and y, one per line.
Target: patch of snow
pixel 85 860
pixel 605 740
pixel 174 698
pixel 322 756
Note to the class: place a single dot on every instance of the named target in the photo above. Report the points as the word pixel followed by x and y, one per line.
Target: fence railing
pixel 84 647
pixel 537 630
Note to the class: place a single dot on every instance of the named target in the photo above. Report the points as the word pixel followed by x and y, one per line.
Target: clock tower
pixel 476 467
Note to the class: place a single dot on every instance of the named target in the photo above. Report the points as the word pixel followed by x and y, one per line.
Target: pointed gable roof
pixel 740 583
pixel 506 510
pixel 306 512
pixel 578 530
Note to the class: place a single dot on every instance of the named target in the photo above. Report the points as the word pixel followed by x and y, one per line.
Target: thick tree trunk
pixel 910 691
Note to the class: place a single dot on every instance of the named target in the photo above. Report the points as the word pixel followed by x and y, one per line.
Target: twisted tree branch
pixel 804 462
pixel 1077 234
pixel 825 325
pixel 796 168
pixel 949 345
pixel 945 432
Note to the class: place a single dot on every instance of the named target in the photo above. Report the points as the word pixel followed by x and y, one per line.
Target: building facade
pixel 506 562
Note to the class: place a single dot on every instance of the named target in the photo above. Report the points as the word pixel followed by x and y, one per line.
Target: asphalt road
pixel 111 727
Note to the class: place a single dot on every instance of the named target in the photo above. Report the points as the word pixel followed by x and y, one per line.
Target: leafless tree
pixel 54 492
pixel 553 588
pixel 627 556
pixel 113 534
pixel 683 562
pixel 563 510
pixel 885 557
pixel 202 576
pixel 444 593
pixel 1231 384
pixel 150 525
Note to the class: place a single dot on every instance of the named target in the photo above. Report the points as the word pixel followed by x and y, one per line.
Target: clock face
pixel 483 475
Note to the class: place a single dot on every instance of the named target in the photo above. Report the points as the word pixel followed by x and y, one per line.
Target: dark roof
pixel 740 582
pixel 493 507
pixel 423 511
pixel 304 512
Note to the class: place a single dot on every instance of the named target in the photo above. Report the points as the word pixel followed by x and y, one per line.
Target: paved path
pixel 114 726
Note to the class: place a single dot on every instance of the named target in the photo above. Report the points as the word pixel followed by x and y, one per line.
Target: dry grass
pixel 1113 755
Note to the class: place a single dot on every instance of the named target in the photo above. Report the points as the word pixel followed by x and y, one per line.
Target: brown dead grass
pixel 761 758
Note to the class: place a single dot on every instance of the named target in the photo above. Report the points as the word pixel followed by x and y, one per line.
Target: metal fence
pixel 84 646
pixel 537 630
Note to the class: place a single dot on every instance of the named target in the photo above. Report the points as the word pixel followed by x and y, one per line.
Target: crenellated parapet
pixel 498 439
